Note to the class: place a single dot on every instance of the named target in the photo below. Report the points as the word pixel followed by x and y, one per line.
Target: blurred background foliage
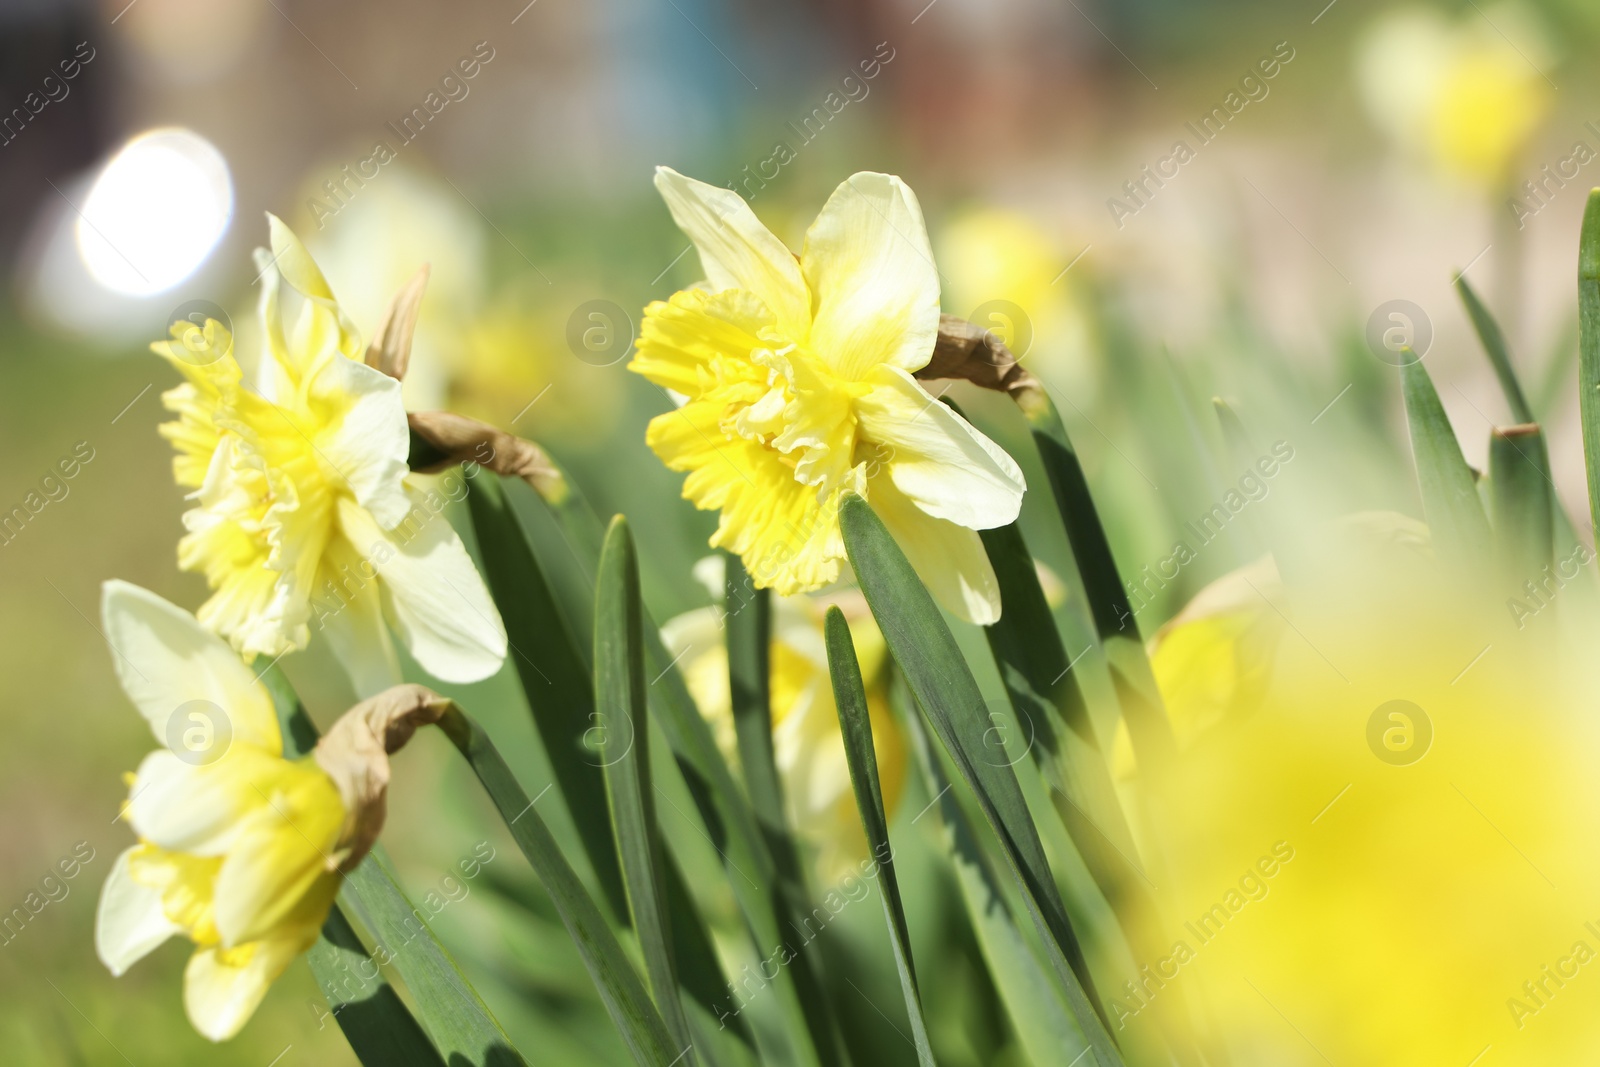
pixel 1390 150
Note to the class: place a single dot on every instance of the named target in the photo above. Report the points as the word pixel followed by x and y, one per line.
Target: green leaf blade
pixel 855 726
pixel 1449 492
pixel 949 697
pixel 621 990
pixel 1589 348
pixel 557 686
pixel 619 689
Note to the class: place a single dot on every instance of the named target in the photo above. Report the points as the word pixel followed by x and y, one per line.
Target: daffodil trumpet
pixel 797 375
pixel 240 850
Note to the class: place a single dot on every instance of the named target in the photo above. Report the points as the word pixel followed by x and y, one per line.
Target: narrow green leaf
pixel 1045 694
pixel 1449 493
pixel 928 655
pixel 1520 497
pixel 1046 1026
pixel 619 985
pixel 567 528
pixel 565 539
pixel 855 725
pixel 1589 348
pixel 1114 622
pixel 452 1013
pixel 381 1030
pixel 747 615
pixel 619 694
pixel 1494 343
pixel 555 678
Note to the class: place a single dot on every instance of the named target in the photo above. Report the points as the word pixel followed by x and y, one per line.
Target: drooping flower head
pixel 807 745
pixel 799 387
pixel 239 848
pixel 303 513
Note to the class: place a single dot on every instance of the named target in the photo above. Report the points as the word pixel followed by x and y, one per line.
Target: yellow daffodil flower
pixel 303 515
pixel 799 387
pixel 807 746
pixel 1385 837
pixel 1464 97
pixel 239 848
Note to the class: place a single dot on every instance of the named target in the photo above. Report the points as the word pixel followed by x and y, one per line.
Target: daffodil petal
pixel 874 288
pixel 294 262
pixel 223 987
pixel 936 458
pixel 432 594
pixel 370 442
pixel 278 857
pixel 165 660
pixel 736 250
pixel 354 624
pixel 949 559
pixel 129 922
pixel 198 808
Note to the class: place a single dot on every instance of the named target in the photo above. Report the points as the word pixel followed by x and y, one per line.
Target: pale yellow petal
pixel 280 856
pixel 874 288
pixel 129 922
pixel 366 437
pixel 935 457
pixel 736 250
pixel 949 559
pixel 165 661
pixel 223 987
pixel 199 808
pixel 432 593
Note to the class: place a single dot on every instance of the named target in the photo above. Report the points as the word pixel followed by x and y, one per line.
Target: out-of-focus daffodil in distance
pixel 807 746
pixel 1003 272
pixel 239 848
pixel 1463 96
pixel 1381 829
pixel 302 515
pixel 798 374
pixel 381 233
pixel 518 373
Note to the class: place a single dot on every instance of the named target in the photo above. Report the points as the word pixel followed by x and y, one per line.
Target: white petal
pixel 165 660
pixel 874 288
pixel 736 250
pixel 354 624
pixel 949 559
pixel 370 443
pixel 432 594
pixel 220 997
pixel 199 809
pixel 129 923
pixel 947 468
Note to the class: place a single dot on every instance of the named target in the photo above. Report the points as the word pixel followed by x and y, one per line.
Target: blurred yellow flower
pixel 1381 851
pixel 799 387
pixel 301 509
pixel 807 745
pixel 1464 96
pixel 239 849
pixel 515 367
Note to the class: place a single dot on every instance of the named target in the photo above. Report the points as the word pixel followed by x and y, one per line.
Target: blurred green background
pixel 1388 150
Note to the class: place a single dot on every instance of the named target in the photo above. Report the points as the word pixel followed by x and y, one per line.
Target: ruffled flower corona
pixel 303 512
pixel 799 387
pixel 240 849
